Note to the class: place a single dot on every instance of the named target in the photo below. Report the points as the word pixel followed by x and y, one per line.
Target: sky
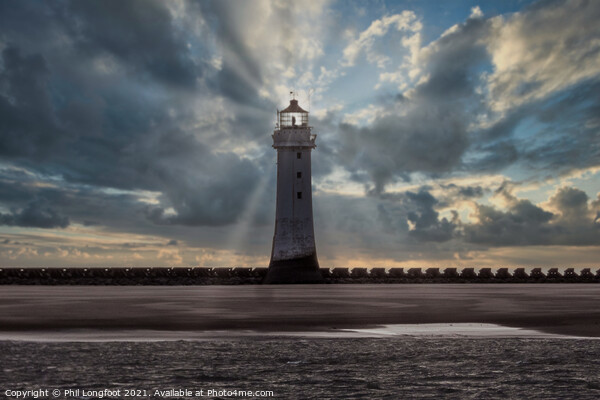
pixel 450 134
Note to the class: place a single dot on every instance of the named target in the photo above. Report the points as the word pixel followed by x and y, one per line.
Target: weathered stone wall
pixel 244 275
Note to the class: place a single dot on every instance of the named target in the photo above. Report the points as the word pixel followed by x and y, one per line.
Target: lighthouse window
pixel 299 195
pixel 298 155
pixel 298 175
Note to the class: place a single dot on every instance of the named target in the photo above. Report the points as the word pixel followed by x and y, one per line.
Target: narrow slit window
pixel 299 194
pixel 298 175
pixel 298 155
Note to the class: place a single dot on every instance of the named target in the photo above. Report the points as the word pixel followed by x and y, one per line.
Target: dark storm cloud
pixel 571 138
pixel 564 134
pixel 450 194
pixel 493 157
pixel 523 224
pixel 218 196
pixel 577 215
pixel 401 226
pixel 61 205
pixel 36 214
pixel 126 128
pixel 464 192
pixel 324 161
pixel 198 203
pixel 415 214
pixel 344 223
pixel 428 131
pixel 571 202
pixel 28 127
pixel 140 33
pixel 568 218
pixel 428 140
pixel 427 226
pixel 571 222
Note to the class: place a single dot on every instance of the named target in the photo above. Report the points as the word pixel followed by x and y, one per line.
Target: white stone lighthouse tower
pixel 294 255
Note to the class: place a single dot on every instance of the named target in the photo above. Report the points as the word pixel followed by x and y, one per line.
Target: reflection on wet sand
pixel 569 309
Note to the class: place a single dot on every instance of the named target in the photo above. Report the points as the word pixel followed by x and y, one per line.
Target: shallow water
pixel 298 368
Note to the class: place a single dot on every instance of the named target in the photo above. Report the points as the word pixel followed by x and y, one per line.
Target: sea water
pixel 297 367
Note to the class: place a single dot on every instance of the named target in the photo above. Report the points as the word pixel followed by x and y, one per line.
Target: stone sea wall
pixel 242 275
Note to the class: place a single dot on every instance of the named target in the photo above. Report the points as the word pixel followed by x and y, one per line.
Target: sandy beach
pixel 564 309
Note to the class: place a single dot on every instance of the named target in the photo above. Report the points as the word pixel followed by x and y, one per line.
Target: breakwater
pixel 243 275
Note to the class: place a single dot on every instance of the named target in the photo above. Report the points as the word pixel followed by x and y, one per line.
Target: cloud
pixel 37 215
pixel 146 27
pixel 149 124
pixel 365 43
pixel 562 135
pixel 542 92
pixel 545 49
pixel 523 223
pixel 170 256
pixel 266 47
pixel 425 131
pixel 216 196
pixel 452 197
pixel 130 128
pixel 409 220
pixel 577 215
pixel 453 120
pixel 424 220
pixel 60 206
pixel 476 12
pixel 29 127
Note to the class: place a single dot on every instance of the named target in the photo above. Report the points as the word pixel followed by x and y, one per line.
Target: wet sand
pixel 566 309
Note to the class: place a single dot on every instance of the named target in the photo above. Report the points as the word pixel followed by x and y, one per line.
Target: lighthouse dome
pixel 293 116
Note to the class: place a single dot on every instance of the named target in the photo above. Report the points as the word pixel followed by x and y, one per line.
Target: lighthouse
pixel 294 254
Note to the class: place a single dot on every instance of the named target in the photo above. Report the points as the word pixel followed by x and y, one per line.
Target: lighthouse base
pixel 294 271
